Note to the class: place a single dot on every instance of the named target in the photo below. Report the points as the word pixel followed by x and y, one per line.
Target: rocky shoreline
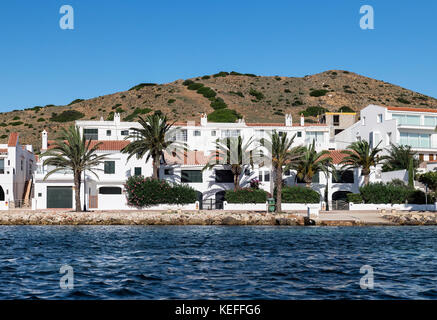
pixel 21 217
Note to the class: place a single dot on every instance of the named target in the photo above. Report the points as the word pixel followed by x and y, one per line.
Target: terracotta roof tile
pixel 412 109
pixel 283 125
pixel 336 155
pixel 190 158
pixel 106 145
pixel 4 150
pixel 13 139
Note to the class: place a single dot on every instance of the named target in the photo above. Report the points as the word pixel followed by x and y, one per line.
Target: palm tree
pixel 151 140
pixel 399 157
pixel 74 153
pixel 234 152
pixel 282 155
pixel 311 163
pixel 361 155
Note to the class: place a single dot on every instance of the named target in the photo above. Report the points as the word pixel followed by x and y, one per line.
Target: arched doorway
pixel 2 194
pixel 339 200
pixel 219 198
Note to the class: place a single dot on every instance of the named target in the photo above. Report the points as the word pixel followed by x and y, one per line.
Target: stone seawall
pixel 145 218
pixel 412 218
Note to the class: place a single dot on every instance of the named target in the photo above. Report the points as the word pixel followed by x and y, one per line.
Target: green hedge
pixel 146 192
pixel 392 193
pixel 354 197
pixel 298 194
pixel 246 195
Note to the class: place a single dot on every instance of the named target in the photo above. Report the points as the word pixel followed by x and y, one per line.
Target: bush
pixel 354 197
pixel 195 86
pixel 187 82
pixel 206 77
pixel 206 92
pixel 41 120
pixel 391 193
pixel 258 95
pixel 142 85
pixel 346 109
pixel 75 101
pixel 246 195
pixel 16 123
pixel 170 101
pixel 224 115
pixel 402 100
pixel 146 192
pixel 314 111
pixel 218 103
pixel 221 74
pixel 137 112
pixel 298 194
pixel 318 93
pixel 67 116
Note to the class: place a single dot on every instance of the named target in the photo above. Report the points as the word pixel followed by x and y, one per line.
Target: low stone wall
pixel 146 218
pixel 414 218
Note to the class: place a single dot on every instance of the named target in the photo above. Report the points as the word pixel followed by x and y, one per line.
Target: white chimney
pixel 44 140
pixel 288 120
pixel 116 118
pixel 302 120
pixel 203 120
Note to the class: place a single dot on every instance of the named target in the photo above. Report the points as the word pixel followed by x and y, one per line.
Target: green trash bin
pixel 271 203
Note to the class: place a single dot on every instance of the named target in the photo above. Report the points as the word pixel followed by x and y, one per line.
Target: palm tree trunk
pixel 366 179
pixel 77 191
pixel 278 183
pixel 156 168
pixel 308 185
pixel 236 181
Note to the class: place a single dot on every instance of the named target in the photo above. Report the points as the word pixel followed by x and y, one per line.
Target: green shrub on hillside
pixel 146 192
pixel 207 92
pixel 221 74
pixel 224 115
pixel 170 101
pixel 246 195
pixel 314 111
pixel 142 85
pixel 298 194
pixel 403 100
pixel 75 101
pixel 67 116
pixel 187 82
pixel 195 86
pixel 258 95
pixel 318 93
pixel 41 120
pixel 237 93
pixel 218 103
pixel 16 123
pixel 346 109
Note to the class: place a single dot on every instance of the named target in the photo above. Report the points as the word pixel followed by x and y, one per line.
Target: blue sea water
pixel 217 262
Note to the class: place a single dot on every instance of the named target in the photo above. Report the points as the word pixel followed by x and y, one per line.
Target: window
pixel 379 118
pixel 299 134
pixel 416 140
pixel 404 119
pixel 314 180
pixel 191 176
pixel 224 176
pixel 345 176
pixel 314 135
pixel 266 176
pixel 363 121
pixel 287 172
pixel 91 134
pixel 388 138
pixel 336 120
pixel 168 172
pixel 124 132
pixel 110 190
pixel 39 194
pixel 137 171
pixel 421 157
pixel 21 165
pixel 431 157
pixel 181 135
pixel 109 167
pixel 230 133
pixel 197 133
pixel 213 133
pixel 108 133
pixel 430 121
pixel 2 166
pixel 337 131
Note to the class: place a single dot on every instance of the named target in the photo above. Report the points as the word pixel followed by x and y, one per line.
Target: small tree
pixel 72 152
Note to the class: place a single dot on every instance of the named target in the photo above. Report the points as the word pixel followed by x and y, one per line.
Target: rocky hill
pixel 224 96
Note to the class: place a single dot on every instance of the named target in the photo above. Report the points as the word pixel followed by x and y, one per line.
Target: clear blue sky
pixel 118 44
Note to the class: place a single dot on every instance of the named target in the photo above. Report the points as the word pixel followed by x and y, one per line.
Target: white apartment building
pixel 397 125
pixel 17 164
